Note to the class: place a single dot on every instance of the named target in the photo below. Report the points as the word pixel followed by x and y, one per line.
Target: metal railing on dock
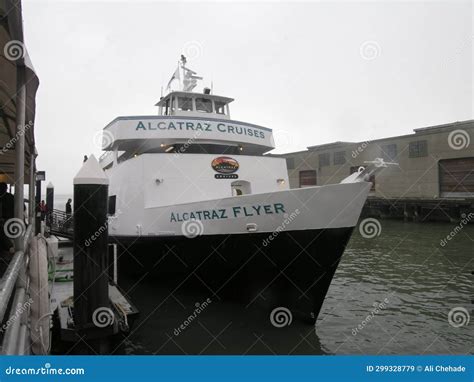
pixel 60 223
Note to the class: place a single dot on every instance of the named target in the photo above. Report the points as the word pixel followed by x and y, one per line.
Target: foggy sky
pixel 314 72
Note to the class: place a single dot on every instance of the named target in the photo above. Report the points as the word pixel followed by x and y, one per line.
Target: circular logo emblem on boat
pixel 225 165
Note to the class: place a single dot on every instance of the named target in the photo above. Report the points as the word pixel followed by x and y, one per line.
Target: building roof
pixel 444 126
pixel 417 132
pixel 330 145
pixel 14 61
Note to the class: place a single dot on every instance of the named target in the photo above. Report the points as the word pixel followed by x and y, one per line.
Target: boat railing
pixel 104 155
pixel 15 278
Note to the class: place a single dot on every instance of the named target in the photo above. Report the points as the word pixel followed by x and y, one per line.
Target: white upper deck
pixel 189 122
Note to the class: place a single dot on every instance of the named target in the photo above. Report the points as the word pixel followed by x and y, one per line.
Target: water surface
pixel 403 280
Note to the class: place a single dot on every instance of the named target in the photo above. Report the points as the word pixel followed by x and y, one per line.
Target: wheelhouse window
pixel 173 105
pixel 166 108
pixel 203 105
pixel 185 104
pixel 220 107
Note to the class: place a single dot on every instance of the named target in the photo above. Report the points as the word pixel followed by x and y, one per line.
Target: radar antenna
pixel 187 78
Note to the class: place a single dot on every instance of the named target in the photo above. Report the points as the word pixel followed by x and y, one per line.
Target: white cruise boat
pixel 192 195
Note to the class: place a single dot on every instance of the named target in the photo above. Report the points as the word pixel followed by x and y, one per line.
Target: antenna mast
pixel 187 78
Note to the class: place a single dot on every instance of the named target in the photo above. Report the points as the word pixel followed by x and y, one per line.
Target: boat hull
pixel 293 270
pixel 279 249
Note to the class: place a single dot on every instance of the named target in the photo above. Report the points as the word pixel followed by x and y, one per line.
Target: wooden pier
pixel 420 210
pixel 61 277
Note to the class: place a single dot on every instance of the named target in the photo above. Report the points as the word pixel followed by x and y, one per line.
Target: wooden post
pixel 49 203
pixel 37 209
pixel 91 299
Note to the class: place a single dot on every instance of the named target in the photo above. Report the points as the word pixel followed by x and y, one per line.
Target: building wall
pixel 416 177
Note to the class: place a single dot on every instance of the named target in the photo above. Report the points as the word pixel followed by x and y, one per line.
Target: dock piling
pixel 91 301
pixel 49 202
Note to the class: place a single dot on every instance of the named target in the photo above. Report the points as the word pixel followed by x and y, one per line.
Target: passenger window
pixel 220 107
pixel 203 105
pixel 173 105
pixel 185 104
pixel 112 203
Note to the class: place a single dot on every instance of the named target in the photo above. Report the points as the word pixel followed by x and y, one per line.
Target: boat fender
pixel 40 317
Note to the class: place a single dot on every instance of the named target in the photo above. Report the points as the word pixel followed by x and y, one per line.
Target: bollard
pixel 49 203
pixel 91 298
pixel 37 208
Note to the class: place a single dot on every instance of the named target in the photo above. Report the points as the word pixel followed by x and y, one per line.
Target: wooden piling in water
pixel 91 300
pixel 49 202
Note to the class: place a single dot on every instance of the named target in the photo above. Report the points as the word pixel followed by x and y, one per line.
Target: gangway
pixel 60 224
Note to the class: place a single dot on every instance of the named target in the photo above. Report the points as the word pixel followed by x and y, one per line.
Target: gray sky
pixel 314 72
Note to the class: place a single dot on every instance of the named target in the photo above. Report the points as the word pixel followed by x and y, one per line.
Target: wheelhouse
pixel 180 103
pixel 188 122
